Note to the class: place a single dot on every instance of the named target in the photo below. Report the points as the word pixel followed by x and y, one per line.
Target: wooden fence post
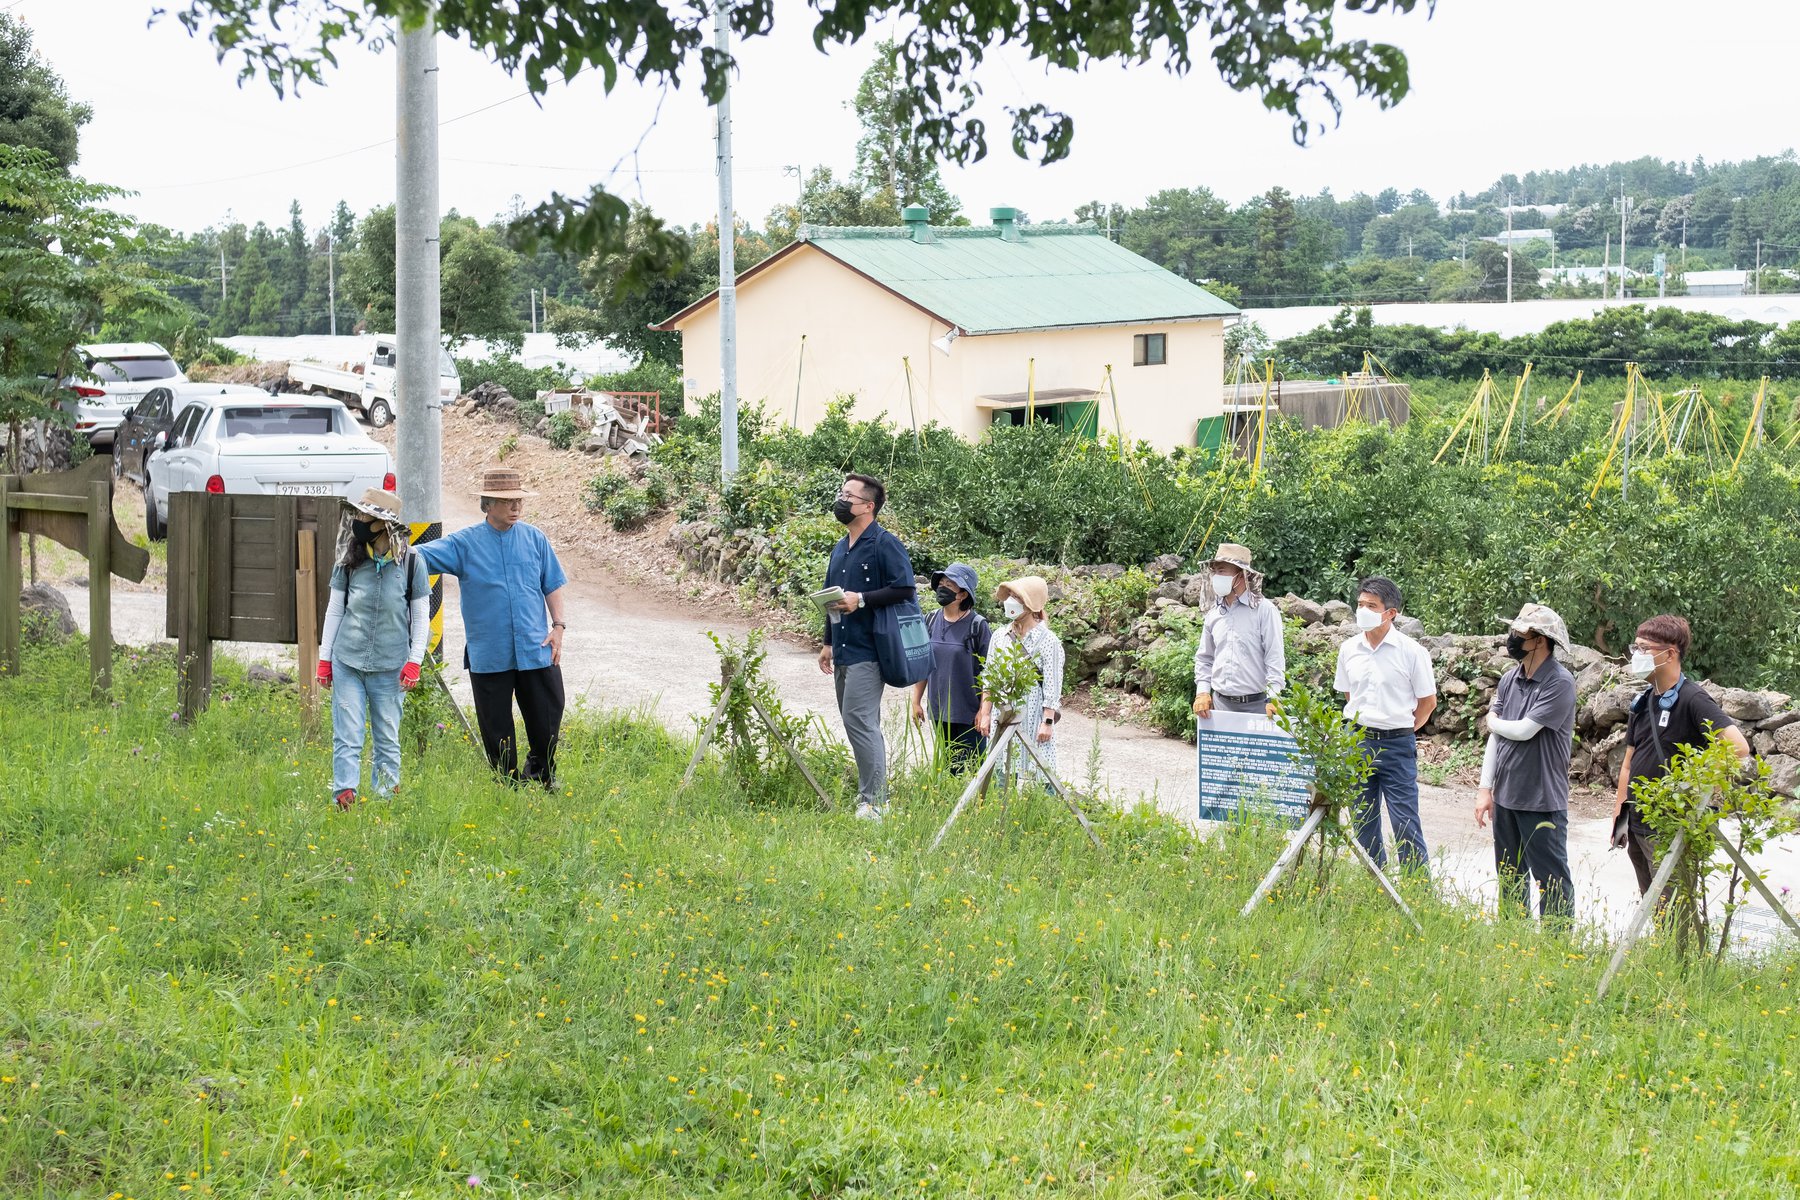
pixel 190 561
pixel 306 632
pixel 10 582
pixel 99 555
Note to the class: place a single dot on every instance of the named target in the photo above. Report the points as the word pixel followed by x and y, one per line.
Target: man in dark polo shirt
pixel 1525 775
pixel 874 570
pixel 1669 715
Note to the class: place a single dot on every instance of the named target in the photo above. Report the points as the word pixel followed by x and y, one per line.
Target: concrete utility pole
pixel 1624 207
pixel 222 296
pixel 1606 269
pixel 728 447
pixel 1758 276
pixel 331 277
pixel 1509 247
pixel 417 316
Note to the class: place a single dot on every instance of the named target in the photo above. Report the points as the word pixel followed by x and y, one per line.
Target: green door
pixel 1209 434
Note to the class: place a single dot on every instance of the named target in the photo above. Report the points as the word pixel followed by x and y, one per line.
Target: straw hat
pixel 503 485
pixel 1540 619
pixel 383 506
pixel 1033 592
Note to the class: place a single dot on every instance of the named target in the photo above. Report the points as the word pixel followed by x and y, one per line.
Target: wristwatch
pixel 557 625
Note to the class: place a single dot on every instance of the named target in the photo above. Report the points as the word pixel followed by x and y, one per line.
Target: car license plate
pixel 303 489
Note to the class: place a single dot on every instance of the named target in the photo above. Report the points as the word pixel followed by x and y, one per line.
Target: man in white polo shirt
pixel 1390 691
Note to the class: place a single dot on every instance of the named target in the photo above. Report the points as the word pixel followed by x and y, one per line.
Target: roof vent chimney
pixel 918 223
pixel 1006 220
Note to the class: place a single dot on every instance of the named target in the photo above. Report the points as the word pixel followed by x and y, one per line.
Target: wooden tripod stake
pixel 712 728
pixel 1009 734
pixel 1314 826
pixel 1640 920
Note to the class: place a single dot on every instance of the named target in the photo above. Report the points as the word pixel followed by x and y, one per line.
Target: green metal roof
pixel 1054 276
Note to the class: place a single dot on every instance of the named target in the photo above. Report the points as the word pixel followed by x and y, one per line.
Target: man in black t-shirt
pixel 1671 714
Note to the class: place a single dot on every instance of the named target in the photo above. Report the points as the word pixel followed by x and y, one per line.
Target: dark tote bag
pixel 902 644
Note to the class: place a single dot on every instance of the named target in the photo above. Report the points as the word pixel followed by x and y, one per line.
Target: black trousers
pixel 1534 845
pixel 962 744
pixel 540 696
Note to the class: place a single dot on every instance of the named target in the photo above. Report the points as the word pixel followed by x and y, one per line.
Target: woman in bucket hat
pixel 959 644
pixel 373 641
pixel 1023 600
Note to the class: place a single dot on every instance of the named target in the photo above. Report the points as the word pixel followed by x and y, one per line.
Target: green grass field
pixel 215 985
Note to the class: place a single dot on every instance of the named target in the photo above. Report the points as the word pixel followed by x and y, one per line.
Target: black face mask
pixel 843 512
pixel 946 596
pixel 364 532
pixel 1515 647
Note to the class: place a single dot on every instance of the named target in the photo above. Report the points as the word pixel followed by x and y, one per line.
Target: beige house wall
pixel 1157 404
pixel 858 334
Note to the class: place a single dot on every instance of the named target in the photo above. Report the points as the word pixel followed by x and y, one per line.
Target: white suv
pixel 114 377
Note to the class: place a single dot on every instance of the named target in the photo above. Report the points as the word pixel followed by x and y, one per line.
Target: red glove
pixel 409 676
pixel 324 672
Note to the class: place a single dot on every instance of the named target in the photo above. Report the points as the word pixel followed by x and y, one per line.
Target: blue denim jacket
pixel 376 630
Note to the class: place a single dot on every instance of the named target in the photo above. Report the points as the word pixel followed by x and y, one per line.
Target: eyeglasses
pixel 1648 648
pixel 853 498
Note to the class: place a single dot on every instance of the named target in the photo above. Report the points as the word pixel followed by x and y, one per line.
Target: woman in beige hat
pixel 373 641
pixel 1023 601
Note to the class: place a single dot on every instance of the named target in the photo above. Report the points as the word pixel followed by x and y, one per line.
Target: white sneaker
pixel 867 812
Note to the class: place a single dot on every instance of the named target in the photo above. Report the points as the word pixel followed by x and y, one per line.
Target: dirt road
pixel 626 649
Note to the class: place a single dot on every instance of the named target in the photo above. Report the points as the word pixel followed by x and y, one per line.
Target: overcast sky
pixel 1514 86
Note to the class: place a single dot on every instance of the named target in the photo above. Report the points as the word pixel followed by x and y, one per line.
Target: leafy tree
pixel 624 315
pixel 369 274
pixel 892 161
pixel 1291 56
pixel 35 109
pixel 479 284
pixel 66 262
pixel 827 201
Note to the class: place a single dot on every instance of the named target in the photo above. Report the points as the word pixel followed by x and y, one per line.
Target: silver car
pixel 114 377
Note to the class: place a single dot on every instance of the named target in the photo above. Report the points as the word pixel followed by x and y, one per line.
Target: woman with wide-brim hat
pixel 376 626
pixel 1023 600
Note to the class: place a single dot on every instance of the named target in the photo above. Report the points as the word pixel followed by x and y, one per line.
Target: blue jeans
pixel 1394 780
pixel 356 697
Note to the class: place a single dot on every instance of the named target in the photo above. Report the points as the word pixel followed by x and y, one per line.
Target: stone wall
pixel 1468 665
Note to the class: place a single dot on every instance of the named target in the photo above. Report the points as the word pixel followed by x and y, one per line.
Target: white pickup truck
pixel 369 385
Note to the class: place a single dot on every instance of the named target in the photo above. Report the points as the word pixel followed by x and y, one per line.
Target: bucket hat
pixel 1540 619
pixel 383 506
pixel 961 575
pixel 1033 592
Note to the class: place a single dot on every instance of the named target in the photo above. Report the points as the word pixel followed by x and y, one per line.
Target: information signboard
pixel 1247 763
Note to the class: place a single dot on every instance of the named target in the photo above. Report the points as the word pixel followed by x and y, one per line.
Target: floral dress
pixel 1046 650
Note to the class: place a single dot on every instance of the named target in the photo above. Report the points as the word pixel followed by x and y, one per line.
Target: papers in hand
pixel 828 600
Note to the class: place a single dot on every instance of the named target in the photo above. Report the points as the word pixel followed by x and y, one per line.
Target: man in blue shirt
pixel 510 578
pixel 874 570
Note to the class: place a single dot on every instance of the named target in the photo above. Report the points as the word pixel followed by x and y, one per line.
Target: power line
pixel 313 162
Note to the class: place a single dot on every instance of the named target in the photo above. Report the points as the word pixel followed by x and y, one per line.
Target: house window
pixel 1149 349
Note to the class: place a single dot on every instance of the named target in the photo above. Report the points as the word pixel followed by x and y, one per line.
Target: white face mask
pixel 1222 584
pixel 1642 662
pixel 1367 619
pixel 1014 607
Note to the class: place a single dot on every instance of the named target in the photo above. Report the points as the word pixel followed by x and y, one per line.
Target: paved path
pixel 625 650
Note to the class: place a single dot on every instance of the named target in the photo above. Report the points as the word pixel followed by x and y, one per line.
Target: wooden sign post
pixel 247 569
